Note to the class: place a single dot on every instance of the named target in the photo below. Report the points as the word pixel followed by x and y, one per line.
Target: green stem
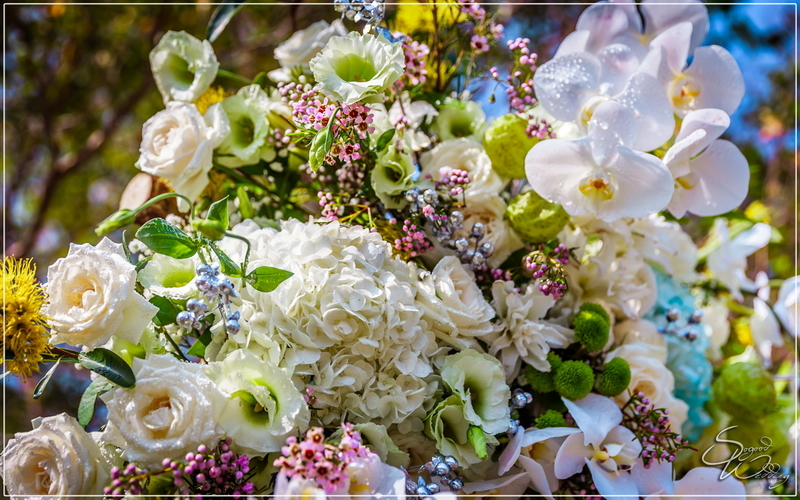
pixel 238 176
pixel 233 76
pixel 174 345
pixel 246 254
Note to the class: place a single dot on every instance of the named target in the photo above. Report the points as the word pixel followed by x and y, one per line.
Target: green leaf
pixel 167 312
pixel 109 365
pixel 227 265
pixel 219 211
pixel 245 207
pixel 164 238
pixel 321 144
pixel 198 349
pixel 267 279
pixel 89 398
pixel 477 439
pixel 44 380
pixel 221 17
pixel 261 80
pixel 384 140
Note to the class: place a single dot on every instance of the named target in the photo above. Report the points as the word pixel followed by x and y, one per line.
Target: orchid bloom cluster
pixel 370 289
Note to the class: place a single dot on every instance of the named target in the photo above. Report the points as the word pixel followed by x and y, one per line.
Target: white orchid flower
pixel 712 80
pixel 608 449
pixel 727 263
pixel 699 483
pixel 788 303
pixel 711 175
pixel 601 174
pixel 573 86
pixel 764 326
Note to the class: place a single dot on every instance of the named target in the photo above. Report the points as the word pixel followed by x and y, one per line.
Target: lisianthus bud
pixel 118 219
pixel 211 229
pixel 591 330
pixel 535 219
pixel 550 418
pixel 507 144
pixel 615 378
pixel 574 380
pixel 745 390
pixel 543 381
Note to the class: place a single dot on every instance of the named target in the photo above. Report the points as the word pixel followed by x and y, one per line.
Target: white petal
pixel 618 62
pixel 605 22
pixel 675 42
pixel 577 41
pixel 509 456
pixel 656 479
pixel 533 436
pixel 747 242
pixel 610 485
pixel 713 121
pixel 596 416
pixel 722 180
pixel 787 304
pixel 473 487
pixel 555 168
pixel 570 457
pixel 719 77
pixel 564 84
pixel 660 17
pixel 765 329
pixel 537 476
pixel 680 154
pixel 706 481
pixel 651 108
pixel 643 182
pixel 612 124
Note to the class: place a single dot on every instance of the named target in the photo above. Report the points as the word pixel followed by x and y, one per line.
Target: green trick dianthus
pixel 596 308
pixel 615 378
pixel 543 381
pixel 550 418
pixel 574 380
pixel 591 330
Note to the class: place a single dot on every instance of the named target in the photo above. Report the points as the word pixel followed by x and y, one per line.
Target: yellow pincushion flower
pixel 26 335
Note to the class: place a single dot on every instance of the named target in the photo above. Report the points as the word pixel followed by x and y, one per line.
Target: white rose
pixel 183 66
pixel 462 298
pixel 173 409
pixel 467 155
pixel 178 144
pixel 303 45
pixel 263 405
pixel 58 459
pixel 92 297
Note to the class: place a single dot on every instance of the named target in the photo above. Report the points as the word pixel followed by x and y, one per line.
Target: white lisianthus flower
pixel 263 405
pixel 479 381
pixel 178 145
pixel 246 115
pixel 183 66
pixel 356 67
pixel 460 120
pixel 666 245
pixel 173 409
pixel 463 300
pixel 92 297
pixel 467 155
pixel 302 46
pixel 169 277
pixel 56 459
pixel 522 334
pixel 601 174
pixel 711 175
pixel 392 176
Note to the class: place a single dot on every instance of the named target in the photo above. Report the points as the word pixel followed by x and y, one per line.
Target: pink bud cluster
pixel 473 9
pixel 479 44
pixel 548 268
pixel 539 129
pixel 415 54
pixel 652 426
pixel 279 138
pixel 331 209
pixel 208 472
pixel 313 459
pixel 310 109
pixel 519 87
pixel 454 179
pixel 414 243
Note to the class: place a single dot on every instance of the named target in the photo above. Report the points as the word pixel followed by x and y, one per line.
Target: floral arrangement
pixel 366 289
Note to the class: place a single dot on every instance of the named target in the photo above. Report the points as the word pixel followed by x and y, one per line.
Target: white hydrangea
pixel 349 320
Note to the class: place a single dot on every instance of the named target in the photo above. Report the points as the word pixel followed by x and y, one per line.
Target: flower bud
pixel 745 390
pixel 535 219
pixel 574 380
pixel 211 229
pixel 507 144
pixel 615 378
pixel 118 219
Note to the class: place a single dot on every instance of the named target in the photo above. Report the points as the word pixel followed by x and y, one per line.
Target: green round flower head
pixel 591 330
pixel 574 380
pixel 535 219
pixel 550 418
pixel 596 308
pixel 766 436
pixel 543 381
pixel 507 144
pixel 615 378
pixel 745 390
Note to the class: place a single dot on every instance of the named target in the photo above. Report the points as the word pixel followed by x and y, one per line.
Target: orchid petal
pixel 713 121
pixel 675 42
pixel 570 458
pixel 509 456
pixel 679 156
pixel 747 242
pixel 618 62
pixel 610 485
pixel 718 75
pixel 644 186
pixel 702 481
pixel 475 486
pixel 565 83
pixel 634 19
pixel 722 178
pixel 612 124
pixel 660 17
pixel 577 41
pixel 765 330
pixel 787 304
pixel 651 108
pixel 605 22
pixel 537 476
pixel 596 416
pixel 555 168
pixel 655 63
pixel 654 480
pixel 533 436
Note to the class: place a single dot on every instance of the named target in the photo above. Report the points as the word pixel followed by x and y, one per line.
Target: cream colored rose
pixel 178 145
pixel 462 298
pixel 183 66
pixel 303 45
pixel 57 459
pixel 92 297
pixel 647 358
pixel 468 155
pixel 173 408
